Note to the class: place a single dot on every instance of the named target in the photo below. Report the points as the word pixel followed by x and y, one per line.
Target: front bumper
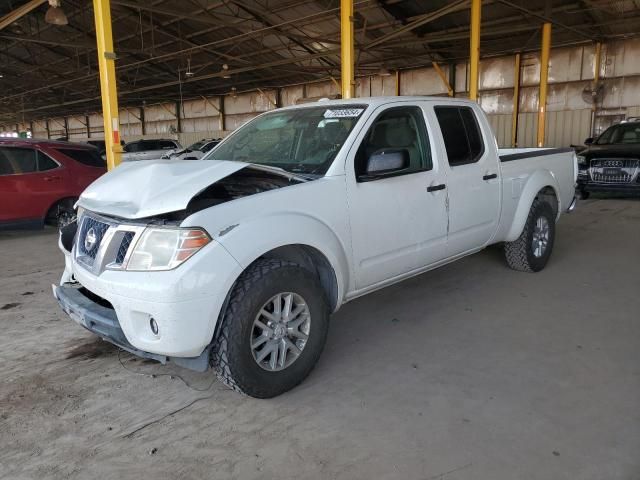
pixel 184 303
pixel 627 188
pixel 96 318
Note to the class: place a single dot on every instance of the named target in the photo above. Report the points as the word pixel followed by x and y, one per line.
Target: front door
pixel 473 180
pixel 398 221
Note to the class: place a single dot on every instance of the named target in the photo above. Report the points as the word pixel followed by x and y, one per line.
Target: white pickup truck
pixel 236 261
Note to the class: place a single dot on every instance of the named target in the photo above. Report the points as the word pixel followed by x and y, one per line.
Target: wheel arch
pixel 313 260
pixel 541 185
pixel 308 242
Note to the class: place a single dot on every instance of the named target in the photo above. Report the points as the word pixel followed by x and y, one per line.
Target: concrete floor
pixel 472 371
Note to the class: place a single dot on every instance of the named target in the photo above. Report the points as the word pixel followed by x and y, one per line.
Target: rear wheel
pixel 531 251
pixel 273 330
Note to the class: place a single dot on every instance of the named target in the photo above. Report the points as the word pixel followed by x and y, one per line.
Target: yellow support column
pixel 106 63
pixel 347 49
pixel 516 102
pixel 544 77
pixel 474 56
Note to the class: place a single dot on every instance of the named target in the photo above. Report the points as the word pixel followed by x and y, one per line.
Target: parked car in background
pixel 195 151
pixel 40 180
pixel 149 149
pixel 99 144
pixel 236 261
pixel 611 162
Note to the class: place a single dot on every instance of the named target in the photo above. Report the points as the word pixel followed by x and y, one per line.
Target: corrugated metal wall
pixel 569 110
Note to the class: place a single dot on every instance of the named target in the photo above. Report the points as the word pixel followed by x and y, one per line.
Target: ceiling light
pixel 189 73
pixel 55 15
pixel 384 72
pixel 225 67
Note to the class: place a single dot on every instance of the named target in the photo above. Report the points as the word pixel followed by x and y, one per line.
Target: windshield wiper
pixel 287 173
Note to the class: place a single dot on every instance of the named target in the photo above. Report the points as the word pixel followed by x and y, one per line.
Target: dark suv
pixel 611 163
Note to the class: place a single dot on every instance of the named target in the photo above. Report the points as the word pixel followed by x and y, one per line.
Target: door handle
pixel 490 176
pixel 435 188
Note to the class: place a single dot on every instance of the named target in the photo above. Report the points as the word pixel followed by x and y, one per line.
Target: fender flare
pixel 253 238
pixel 537 181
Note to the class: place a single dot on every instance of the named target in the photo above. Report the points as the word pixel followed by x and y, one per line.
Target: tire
pixel 233 355
pixel 584 194
pixel 521 254
pixel 62 213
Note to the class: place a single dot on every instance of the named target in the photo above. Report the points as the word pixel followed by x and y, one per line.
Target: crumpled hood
pixel 152 187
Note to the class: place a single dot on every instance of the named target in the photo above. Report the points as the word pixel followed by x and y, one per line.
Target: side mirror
pixel 588 141
pixel 386 163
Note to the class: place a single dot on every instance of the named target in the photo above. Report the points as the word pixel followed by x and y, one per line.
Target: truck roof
pixel 377 101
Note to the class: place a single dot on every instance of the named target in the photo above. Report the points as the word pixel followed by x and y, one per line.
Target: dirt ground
pixel 472 371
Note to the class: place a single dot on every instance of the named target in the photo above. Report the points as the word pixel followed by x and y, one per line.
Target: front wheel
pixel 273 330
pixel 531 251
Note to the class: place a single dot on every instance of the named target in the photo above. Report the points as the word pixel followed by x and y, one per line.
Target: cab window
pixel 398 128
pixel 461 134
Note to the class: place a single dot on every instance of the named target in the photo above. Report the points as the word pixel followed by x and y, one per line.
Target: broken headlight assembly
pixel 166 248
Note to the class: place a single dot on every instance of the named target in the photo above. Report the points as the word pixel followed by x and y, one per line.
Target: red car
pixel 40 180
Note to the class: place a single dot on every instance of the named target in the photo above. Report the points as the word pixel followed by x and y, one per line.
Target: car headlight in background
pixel 166 248
pixel 582 160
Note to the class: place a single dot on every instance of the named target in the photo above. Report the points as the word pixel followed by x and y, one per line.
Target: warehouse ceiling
pixel 168 50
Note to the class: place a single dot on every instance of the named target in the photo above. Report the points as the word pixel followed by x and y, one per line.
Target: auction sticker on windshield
pixel 343 113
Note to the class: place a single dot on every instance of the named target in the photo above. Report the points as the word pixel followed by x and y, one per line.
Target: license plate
pixel 613 172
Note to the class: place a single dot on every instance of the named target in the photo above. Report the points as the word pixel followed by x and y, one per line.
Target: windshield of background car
pixel 304 140
pixel 620 134
pixel 196 146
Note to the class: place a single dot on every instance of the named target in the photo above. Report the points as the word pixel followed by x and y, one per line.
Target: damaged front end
pixel 169 191
pixel 123 232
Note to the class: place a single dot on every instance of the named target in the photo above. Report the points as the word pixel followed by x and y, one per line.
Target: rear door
pixel 30 183
pixel 398 223
pixel 473 178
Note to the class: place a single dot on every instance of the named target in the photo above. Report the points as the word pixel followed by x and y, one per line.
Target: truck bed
pixel 519 165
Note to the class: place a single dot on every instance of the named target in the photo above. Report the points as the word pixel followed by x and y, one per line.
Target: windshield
pixel 196 146
pixel 304 140
pixel 620 134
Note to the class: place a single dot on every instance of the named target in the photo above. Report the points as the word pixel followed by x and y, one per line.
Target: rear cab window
pixel 461 133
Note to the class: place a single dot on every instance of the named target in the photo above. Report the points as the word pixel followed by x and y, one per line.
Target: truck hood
pixel 152 187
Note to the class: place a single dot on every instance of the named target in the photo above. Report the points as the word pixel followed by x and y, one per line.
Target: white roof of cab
pixel 377 101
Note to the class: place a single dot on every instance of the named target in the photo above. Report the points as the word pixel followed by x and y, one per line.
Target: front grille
pixel 124 247
pixel 103 243
pixel 91 235
pixel 613 170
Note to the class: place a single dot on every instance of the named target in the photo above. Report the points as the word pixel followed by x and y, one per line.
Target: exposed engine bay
pixel 243 183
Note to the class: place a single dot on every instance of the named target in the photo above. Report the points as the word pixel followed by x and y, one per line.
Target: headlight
pixel 582 160
pixel 166 248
